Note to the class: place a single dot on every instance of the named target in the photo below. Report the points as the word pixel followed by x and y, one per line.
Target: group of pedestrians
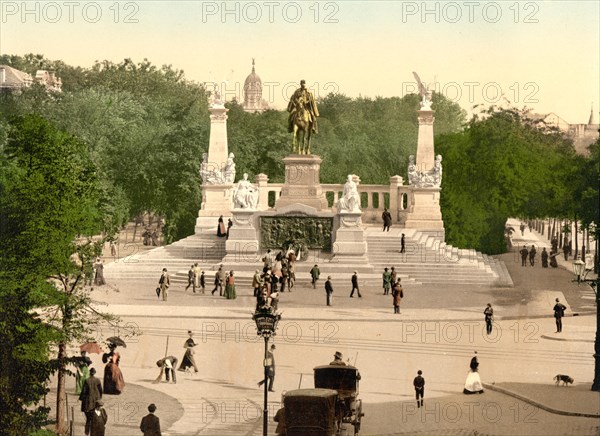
pixel 96 417
pixel 91 389
pixel 547 258
pixel 196 279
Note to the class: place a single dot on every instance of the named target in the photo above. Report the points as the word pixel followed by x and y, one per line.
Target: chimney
pixel 2 75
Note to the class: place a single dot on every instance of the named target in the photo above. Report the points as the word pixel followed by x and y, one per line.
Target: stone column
pixel 216 198
pixel 395 201
pixel 217 145
pixel 425 214
pixel 262 181
pixel 425 152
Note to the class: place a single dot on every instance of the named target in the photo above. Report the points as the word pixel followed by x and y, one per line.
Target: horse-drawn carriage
pixel 328 409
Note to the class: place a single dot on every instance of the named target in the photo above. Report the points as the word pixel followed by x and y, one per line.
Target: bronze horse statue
pixel 302 129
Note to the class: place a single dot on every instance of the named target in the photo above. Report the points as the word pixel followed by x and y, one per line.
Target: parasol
pixel 91 347
pixel 117 341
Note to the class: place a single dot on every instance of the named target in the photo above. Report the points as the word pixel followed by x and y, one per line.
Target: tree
pixel 503 164
pixel 49 197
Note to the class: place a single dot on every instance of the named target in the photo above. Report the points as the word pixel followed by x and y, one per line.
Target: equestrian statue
pixel 302 122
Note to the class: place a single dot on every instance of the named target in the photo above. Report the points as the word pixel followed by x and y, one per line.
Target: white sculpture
pixel 350 201
pixel 216 100
pixel 413 174
pixel 246 195
pixel 229 170
pixel 209 177
pixel 424 93
pixel 216 177
pixel 429 179
pixel 437 170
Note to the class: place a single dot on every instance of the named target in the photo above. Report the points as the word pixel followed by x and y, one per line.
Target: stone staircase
pixel 429 261
pixel 206 249
pixel 426 261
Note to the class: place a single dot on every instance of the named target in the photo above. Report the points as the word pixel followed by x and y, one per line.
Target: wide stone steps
pixel 427 260
pixel 204 249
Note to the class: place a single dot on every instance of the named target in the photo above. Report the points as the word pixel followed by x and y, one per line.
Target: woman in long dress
pixel 230 287
pixel 99 267
pixel 188 360
pixel 113 377
pixel 83 364
pixel 221 232
pixel 473 383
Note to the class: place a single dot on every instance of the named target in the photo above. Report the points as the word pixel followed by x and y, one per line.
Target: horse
pixel 302 124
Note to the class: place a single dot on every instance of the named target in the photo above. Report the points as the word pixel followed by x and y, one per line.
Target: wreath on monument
pixel 300 248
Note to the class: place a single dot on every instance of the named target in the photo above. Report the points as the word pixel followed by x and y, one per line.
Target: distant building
pixel 14 80
pixel 253 101
pixel 581 134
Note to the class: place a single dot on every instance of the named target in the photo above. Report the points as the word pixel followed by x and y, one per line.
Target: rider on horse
pixel 302 97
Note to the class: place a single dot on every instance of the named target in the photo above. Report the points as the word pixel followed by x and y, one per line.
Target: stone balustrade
pixel 374 198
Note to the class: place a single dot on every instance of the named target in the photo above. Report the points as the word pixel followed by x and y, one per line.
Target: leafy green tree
pixel 49 197
pixel 503 164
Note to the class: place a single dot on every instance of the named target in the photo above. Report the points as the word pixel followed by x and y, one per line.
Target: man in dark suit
pixel 90 394
pixel 419 384
pixel 386 216
pixel 402 244
pixel 328 290
pixel 559 312
pixel 150 424
pixel 524 254
pixel 355 285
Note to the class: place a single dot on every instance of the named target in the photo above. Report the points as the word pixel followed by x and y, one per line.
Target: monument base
pixel 242 245
pixel 302 183
pixel 426 215
pixel 216 201
pixel 350 245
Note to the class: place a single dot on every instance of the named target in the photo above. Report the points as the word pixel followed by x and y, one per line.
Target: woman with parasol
pixel 113 377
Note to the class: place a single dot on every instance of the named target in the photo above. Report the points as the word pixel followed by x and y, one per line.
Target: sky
pixel 541 54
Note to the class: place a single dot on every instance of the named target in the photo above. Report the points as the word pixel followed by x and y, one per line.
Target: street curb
pixel 566 340
pixel 538 405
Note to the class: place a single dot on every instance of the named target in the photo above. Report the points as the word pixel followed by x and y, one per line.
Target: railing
pixel 374 198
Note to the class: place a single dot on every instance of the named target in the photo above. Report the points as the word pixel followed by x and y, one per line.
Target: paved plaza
pixel 438 330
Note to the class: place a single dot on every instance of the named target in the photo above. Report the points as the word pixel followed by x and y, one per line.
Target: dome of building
pixel 252 91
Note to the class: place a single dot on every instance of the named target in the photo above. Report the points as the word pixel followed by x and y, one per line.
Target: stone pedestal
pixel 425 151
pixel 425 214
pixel 350 245
pixel 302 183
pixel 216 201
pixel 242 245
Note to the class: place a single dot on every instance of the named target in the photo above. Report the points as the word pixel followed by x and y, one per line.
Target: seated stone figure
pixel 246 195
pixel 350 201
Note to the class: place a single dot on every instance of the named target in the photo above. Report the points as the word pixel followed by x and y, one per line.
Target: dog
pixel 563 378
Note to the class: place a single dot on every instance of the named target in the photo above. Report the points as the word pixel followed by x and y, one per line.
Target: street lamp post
pixel 266 324
pixel 580 272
